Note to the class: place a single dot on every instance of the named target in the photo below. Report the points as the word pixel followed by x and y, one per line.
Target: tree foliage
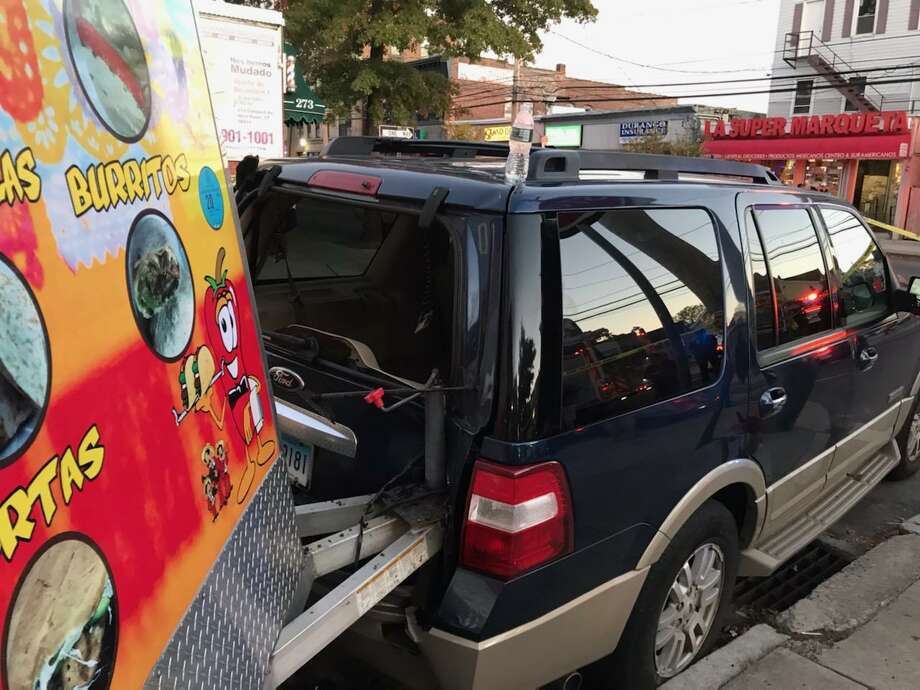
pixel 343 46
pixel 656 143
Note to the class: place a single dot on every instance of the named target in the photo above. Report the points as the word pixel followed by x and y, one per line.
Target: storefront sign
pixel 563 135
pixel 499 133
pixel 642 128
pixel 136 422
pixel 892 146
pixel 843 124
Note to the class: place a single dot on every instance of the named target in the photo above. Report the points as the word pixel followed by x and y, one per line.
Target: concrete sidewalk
pixel 859 629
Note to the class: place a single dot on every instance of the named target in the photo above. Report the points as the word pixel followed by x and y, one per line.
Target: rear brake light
pixel 338 181
pixel 517 518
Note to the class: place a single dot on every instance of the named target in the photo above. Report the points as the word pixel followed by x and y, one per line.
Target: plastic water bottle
pixel 520 142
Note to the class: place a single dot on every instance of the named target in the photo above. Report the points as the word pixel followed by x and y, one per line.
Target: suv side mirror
pixel 909 299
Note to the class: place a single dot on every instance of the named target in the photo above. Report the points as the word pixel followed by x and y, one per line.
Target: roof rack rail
pixel 366 146
pixel 555 165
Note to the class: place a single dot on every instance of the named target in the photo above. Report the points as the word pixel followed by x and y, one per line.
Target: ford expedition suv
pixel 658 374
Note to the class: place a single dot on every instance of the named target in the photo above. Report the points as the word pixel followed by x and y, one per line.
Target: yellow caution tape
pixel 892 228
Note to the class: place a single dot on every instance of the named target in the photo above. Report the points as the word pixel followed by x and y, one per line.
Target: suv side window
pixel 864 288
pixel 642 309
pixel 799 277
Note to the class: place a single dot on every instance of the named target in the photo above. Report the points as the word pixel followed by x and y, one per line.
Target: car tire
pixel 908 440
pixel 637 664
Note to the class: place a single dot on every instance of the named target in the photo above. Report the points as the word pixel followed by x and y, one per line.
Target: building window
pixel 802 103
pixel 865 17
pixel 795 266
pixel 642 309
pixel 858 85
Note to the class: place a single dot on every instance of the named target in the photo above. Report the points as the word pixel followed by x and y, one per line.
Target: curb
pixel 837 606
pixel 855 594
pixel 725 663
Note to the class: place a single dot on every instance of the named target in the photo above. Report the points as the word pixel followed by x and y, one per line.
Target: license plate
pixel 298 459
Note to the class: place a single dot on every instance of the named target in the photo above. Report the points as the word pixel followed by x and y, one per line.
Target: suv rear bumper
pixel 562 640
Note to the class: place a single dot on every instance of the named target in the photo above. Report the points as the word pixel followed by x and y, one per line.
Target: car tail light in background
pixel 517 518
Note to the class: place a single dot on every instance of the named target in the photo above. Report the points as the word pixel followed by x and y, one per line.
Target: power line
pixel 601 87
pixel 731 71
pixel 647 97
pixel 641 64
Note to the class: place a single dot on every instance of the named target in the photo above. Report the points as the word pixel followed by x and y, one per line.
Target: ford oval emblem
pixel 286 378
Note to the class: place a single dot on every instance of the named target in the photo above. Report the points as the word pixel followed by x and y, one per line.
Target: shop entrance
pixel 876 194
pixel 824 175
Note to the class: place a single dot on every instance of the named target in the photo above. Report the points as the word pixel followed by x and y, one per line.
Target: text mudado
pixel 68 471
pixel 106 185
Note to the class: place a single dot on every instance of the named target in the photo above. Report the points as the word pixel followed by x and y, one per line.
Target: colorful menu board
pixel 135 418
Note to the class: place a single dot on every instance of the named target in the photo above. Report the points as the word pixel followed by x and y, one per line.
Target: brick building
pixel 483 104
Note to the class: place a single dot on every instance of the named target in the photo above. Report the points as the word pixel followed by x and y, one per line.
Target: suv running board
pixel 403 542
pixel 770 553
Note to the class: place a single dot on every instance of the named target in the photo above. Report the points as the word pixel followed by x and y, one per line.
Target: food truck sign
pixel 135 415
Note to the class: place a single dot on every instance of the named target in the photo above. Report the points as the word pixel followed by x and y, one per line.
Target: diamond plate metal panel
pixel 230 629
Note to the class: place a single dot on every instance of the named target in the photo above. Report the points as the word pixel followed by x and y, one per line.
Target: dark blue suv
pixel 659 373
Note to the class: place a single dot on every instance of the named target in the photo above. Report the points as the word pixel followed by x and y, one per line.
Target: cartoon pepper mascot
pixel 219 377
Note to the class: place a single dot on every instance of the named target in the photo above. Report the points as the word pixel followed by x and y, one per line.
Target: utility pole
pixel 515 86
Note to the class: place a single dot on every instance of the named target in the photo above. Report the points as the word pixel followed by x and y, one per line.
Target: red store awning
pixel 786 148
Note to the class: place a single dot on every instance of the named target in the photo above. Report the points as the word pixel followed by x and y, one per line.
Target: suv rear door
pixel 802 374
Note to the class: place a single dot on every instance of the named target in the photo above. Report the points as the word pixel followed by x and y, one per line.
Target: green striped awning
pixel 301 106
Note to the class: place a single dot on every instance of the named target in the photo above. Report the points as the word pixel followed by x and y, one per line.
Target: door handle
pixel 867 357
pixel 772 401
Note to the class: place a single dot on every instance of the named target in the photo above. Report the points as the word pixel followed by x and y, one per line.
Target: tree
pixel 656 143
pixel 462 132
pixel 343 46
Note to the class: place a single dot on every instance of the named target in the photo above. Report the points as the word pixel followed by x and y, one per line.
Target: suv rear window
pixel 326 240
pixel 795 267
pixel 642 309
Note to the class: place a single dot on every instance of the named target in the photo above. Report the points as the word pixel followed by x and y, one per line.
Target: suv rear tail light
pixel 517 518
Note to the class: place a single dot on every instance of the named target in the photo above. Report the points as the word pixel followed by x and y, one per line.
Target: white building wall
pixel 897 46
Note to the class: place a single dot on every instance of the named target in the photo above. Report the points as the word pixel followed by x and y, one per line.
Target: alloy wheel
pixel 691 606
pixel 913 439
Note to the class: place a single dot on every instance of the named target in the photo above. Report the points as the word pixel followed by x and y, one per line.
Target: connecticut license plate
pixel 298 459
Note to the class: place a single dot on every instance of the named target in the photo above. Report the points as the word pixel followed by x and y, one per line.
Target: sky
pixel 684 40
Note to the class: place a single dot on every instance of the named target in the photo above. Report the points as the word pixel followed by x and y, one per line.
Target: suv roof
pixel 474 171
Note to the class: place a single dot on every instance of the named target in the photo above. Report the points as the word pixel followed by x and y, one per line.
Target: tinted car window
pixel 642 304
pixel 797 270
pixel 764 304
pixel 864 289
pixel 323 240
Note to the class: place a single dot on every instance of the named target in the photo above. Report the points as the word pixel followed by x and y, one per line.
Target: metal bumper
pixel 535 653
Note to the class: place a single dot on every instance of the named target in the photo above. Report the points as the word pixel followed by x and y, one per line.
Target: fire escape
pixel 804 47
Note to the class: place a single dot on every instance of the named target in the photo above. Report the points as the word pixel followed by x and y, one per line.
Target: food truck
pixel 148 536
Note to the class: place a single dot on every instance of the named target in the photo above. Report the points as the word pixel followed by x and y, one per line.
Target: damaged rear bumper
pixel 562 640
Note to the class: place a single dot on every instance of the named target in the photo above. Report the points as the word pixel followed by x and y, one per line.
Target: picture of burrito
pixel 64 622
pixel 111 64
pixel 160 285
pixel 24 370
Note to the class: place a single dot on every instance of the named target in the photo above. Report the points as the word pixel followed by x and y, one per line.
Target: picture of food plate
pixel 160 285
pixel 110 63
pixel 24 364
pixel 63 625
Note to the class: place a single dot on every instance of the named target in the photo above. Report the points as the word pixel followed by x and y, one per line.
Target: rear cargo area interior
pixel 366 274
